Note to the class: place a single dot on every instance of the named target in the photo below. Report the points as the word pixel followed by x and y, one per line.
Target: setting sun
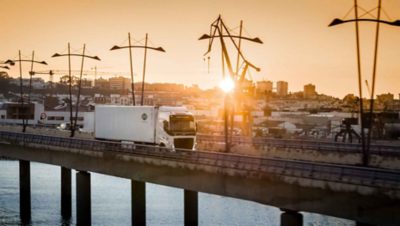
pixel 227 84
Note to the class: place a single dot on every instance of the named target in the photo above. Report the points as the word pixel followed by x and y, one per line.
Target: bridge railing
pixel 303 144
pixel 365 176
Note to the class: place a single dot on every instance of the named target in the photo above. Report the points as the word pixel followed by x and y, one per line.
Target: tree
pixel 4 81
pixel 65 80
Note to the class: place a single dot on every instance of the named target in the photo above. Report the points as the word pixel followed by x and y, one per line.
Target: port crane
pixel 219 31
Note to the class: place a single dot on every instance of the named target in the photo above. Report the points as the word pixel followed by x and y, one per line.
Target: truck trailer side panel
pixel 125 123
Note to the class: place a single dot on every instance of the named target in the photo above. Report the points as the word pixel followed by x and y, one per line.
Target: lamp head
pixel 160 49
pixel 336 21
pixel 258 40
pixel 96 58
pixel 115 47
pixel 396 23
pixel 10 62
pixel 205 36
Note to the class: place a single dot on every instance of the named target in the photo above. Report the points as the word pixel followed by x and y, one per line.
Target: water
pixel 111 202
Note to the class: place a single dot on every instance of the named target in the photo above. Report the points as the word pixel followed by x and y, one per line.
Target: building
pixel 37 83
pixel 102 83
pixel 247 87
pixel 85 83
pixel 101 99
pixel 120 83
pixel 264 87
pixel 122 99
pixel 14 112
pixel 48 114
pixel 309 91
pixel 385 98
pixel 282 88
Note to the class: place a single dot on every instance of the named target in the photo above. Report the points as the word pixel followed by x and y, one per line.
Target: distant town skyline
pixel 299 47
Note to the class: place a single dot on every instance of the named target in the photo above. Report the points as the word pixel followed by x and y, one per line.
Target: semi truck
pixel 165 126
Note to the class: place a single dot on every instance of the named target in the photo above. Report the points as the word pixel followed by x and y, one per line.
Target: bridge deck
pixel 358 193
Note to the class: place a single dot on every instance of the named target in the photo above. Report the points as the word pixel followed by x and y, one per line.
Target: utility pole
pixel 79 88
pixel 21 92
pixel 357 19
pixel 144 69
pixel 130 47
pixel 73 121
pixel 372 94
pixel 32 61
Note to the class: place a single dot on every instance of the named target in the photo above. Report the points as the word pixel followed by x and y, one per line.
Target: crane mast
pixel 219 30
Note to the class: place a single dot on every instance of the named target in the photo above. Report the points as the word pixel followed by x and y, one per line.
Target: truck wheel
pixel 161 147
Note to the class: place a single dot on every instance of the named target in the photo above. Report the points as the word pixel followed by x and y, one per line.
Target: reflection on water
pixel 111 203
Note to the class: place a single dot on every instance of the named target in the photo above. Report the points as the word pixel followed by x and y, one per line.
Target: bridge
pixel 315 150
pixel 369 196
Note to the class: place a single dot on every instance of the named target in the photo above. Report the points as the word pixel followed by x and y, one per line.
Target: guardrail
pixel 372 177
pixel 391 150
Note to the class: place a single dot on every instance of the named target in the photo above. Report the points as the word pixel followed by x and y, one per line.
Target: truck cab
pixel 176 128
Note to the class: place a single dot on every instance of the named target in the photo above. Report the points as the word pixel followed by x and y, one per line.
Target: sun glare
pixel 227 84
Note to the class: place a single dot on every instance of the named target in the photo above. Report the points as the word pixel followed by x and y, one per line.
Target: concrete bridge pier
pixel 138 194
pixel 66 197
pixel 190 207
pixel 291 218
pixel 83 204
pixel 25 191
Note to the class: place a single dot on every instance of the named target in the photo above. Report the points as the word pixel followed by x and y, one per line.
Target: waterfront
pixel 111 203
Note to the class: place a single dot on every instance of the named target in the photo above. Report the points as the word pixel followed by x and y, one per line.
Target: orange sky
pixel 298 45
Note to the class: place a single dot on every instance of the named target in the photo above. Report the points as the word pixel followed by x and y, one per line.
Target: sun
pixel 227 84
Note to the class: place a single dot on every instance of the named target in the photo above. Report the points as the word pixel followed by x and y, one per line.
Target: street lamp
pixel 73 121
pixel 338 21
pixel 9 62
pixel 32 61
pixel 256 39
pixel 378 21
pixel 160 49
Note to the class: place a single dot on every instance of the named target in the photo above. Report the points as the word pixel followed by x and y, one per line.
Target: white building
pixel 10 114
pixel 37 83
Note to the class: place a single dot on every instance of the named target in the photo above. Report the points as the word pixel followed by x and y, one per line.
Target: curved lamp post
pixel 338 21
pixel 32 61
pixel 378 21
pixel 160 49
pixel 73 121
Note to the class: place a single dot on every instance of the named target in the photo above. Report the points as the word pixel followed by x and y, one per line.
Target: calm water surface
pixel 111 202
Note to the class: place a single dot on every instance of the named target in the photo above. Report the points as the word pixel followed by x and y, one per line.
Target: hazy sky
pixel 298 46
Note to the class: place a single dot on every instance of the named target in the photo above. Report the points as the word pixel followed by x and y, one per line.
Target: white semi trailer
pixel 170 127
